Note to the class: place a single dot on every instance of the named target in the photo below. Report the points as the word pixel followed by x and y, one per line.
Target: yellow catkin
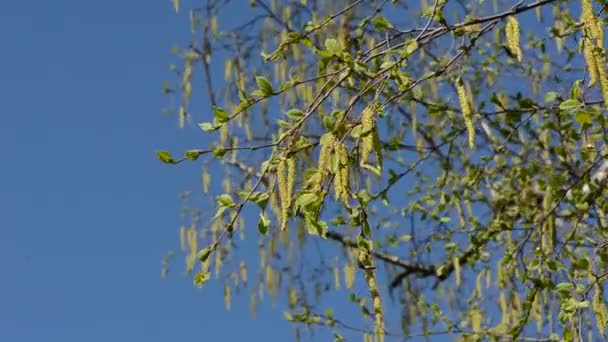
pixel 243 273
pixel 370 278
pixel 600 37
pixel 336 271
pixel 589 20
pixel 341 174
pixel 476 318
pixel 283 192
pixel 593 37
pixel 467 114
pixel 590 61
pixel 349 275
pixel 512 32
pixel 603 78
pixel 327 146
pixel 291 179
pixel 370 141
pixel 206 179
pixel 598 305
pixel 227 297
pixel 456 262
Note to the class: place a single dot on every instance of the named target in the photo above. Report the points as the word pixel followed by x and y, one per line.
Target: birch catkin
pixel 592 66
pixel 341 173
pixel 286 180
pixel 512 32
pixel 593 47
pixel 370 140
pixel 467 114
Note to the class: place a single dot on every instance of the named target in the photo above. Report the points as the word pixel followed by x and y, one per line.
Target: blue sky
pixel 86 209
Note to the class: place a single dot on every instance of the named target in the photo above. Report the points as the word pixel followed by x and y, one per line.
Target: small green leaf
pixel 264 85
pixel 306 198
pixel 582 264
pixel 444 220
pixel 332 46
pixel 219 152
pixel 295 114
pixel 201 278
pixel 220 115
pixel 569 105
pixel 225 200
pixel 204 253
pixel 381 23
pixel 583 117
pixel 405 238
pixel 208 126
pixel 263 224
pixel 364 243
pixel 551 96
pixel 575 90
pixel 192 154
pixel 410 47
pixel 165 157
pixel 316 227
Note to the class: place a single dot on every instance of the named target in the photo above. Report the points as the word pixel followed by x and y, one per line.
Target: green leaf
pixel 225 200
pixel 569 105
pixel 316 227
pixel 364 243
pixel 204 253
pixel 306 198
pixel 220 115
pixel 295 114
pixel 381 23
pixel 582 264
pixel 551 96
pixel 583 117
pixel 405 238
pixel 263 224
pixel 201 278
pixel 208 126
pixel 256 197
pixel 410 47
pixel 575 90
pixel 219 152
pixel 192 154
pixel 165 157
pixel 264 85
pixel 332 46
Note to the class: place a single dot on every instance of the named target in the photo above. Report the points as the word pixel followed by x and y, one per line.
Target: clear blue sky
pixel 86 209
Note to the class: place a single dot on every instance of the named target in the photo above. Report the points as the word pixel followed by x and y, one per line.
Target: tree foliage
pixel 440 165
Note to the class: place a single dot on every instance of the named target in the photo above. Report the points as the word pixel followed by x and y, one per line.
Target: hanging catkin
pixel 512 32
pixel 467 114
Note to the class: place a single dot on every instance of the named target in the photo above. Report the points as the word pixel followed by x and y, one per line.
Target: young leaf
pixel 264 85
pixel 165 157
pixel 204 253
pixel 220 115
pixel 208 126
pixel 201 278
pixel 263 224
pixel 569 105
pixel 225 200
pixel 192 154
pixel 332 46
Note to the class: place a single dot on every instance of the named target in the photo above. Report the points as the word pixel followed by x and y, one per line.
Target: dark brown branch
pixel 419 269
